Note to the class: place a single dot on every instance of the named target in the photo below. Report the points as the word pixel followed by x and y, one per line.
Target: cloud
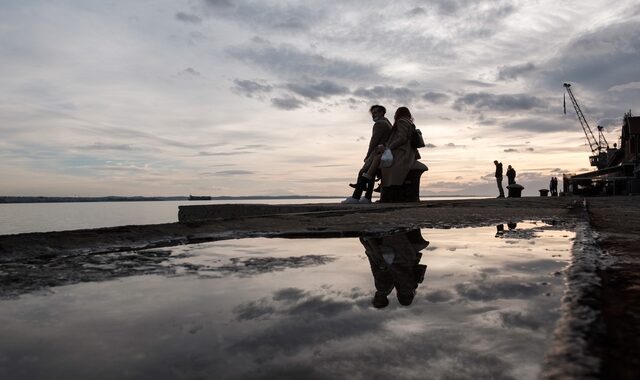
pixel 291 62
pixel 511 150
pixel 103 146
pixel 435 97
pixel 287 103
pixel 417 11
pixel 630 86
pixel 402 95
pixel 541 125
pixel 235 172
pixel 270 16
pixel 250 88
pixel 515 71
pixel 453 145
pixel 582 61
pixel 487 101
pixel 191 71
pixel 429 145
pixel 314 91
pixel 188 18
pixel 207 154
pixel 218 3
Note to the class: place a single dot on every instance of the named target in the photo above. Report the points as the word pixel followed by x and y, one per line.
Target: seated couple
pixel 397 138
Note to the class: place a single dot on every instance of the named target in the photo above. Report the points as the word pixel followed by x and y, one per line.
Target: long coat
pixel 404 156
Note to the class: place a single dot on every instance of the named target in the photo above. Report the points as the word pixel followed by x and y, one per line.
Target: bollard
pixel 515 190
pixel 543 192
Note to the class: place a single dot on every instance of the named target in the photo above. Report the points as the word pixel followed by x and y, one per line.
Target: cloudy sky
pixel 241 97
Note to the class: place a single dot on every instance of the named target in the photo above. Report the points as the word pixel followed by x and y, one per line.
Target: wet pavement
pixel 477 302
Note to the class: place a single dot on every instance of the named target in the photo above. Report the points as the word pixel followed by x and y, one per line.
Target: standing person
pixel 511 175
pixel 404 155
pixel 366 176
pixel 499 177
pixel 553 186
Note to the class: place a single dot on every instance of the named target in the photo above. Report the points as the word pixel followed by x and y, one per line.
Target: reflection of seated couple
pixel 395 262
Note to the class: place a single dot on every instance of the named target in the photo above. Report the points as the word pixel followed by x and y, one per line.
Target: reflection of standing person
pixel 395 263
pixel 511 175
pixel 499 177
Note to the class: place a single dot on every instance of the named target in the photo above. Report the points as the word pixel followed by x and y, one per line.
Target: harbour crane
pixel 598 147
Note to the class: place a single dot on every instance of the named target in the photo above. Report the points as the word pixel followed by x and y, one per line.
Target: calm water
pixel 292 309
pixel 42 217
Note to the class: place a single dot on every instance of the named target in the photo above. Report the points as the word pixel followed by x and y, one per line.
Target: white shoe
pixel 350 200
pixel 364 200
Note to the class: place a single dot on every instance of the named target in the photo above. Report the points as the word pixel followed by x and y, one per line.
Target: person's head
pixel 377 111
pixel 402 113
pixel 509 166
pixel 495 162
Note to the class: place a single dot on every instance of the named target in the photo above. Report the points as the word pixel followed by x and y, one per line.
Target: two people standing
pixel 511 177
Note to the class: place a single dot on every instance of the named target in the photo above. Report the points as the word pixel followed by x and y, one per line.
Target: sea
pixel 18 218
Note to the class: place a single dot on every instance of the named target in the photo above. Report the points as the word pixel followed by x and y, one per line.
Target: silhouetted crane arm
pixel 593 143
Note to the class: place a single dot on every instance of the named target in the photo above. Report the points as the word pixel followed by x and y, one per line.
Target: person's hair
pixel 402 112
pixel 377 107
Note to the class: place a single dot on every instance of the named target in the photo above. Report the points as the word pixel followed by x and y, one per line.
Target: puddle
pixel 456 303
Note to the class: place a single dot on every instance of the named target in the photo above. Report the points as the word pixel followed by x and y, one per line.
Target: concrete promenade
pixel 615 223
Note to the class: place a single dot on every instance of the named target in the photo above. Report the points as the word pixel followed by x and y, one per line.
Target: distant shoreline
pixel 43 199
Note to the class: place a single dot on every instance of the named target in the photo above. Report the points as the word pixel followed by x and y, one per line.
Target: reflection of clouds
pixel 532 319
pixel 288 295
pixel 29 275
pixel 535 266
pixel 441 295
pixel 487 289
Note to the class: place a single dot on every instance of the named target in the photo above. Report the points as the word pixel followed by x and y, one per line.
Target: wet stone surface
pixel 456 303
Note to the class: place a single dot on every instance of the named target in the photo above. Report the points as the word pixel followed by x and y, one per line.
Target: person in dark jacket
pixel 366 175
pixel 511 175
pixel 499 177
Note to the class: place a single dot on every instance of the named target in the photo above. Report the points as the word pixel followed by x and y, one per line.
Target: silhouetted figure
pixel 511 175
pixel 366 176
pixel 499 177
pixel 404 155
pixel 395 263
pixel 553 186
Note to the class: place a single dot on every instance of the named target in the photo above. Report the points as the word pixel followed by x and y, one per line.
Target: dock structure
pixel 618 168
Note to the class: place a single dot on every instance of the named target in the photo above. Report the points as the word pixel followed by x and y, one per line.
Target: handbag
pixel 416 138
pixel 386 160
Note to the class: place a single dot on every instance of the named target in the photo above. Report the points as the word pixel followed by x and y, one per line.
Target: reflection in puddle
pixel 303 308
pixel 395 263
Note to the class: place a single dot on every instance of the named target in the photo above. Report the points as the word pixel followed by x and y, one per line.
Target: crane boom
pixel 593 143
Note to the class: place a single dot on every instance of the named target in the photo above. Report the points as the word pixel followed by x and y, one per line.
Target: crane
pixel 598 147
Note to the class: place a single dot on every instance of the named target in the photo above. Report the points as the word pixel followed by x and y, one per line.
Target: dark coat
pixel 499 170
pixel 511 174
pixel 404 155
pixel 379 134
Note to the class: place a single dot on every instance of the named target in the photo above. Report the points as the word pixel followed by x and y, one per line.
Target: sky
pixel 241 97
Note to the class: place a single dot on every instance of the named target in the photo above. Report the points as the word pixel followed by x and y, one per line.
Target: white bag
pixel 387 158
